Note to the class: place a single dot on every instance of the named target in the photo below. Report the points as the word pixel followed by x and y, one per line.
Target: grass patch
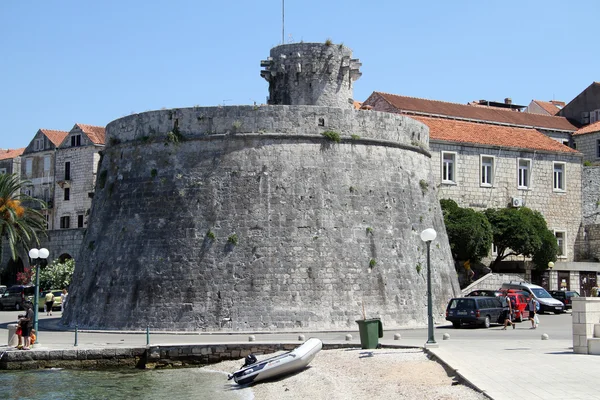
pixel 332 136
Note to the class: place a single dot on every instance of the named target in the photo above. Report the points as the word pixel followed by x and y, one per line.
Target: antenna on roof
pixel 282 21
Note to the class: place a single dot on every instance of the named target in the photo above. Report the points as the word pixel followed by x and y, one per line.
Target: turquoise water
pixel 173 384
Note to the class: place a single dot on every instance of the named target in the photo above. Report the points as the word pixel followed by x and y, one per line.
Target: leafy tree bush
pixel 522 231
pixel 57 275
pixel 469 232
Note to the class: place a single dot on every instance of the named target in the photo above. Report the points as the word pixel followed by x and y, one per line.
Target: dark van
pixel 15 296
pixel 474 310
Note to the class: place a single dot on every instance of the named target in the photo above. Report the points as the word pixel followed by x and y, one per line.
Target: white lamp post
pixel 550 264
pixel 37 255
pixel 427 236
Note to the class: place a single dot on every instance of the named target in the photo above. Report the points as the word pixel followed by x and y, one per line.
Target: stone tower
pixel 314 74
pixel 288 216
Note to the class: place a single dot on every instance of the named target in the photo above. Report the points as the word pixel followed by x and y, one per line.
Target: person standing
pixel 27 325
pixel 49 302
pixel 63 300
pixel 507 312
pixel 531 306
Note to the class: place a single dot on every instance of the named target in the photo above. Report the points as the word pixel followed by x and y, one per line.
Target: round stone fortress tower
pixel 288 216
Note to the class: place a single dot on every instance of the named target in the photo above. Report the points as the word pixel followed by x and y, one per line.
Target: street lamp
pixel 36 255
pixel 550 264
pixel 427 236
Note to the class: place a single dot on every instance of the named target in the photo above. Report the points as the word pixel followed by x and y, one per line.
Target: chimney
pixel 508 100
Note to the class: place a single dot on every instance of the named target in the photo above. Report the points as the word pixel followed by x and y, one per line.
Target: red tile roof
pixel 56 137
pixel 357 105
pixel 547 106
pixel 96 133
pixel 595 127
pixel 409 105
pixel 491 135
pixel 6 154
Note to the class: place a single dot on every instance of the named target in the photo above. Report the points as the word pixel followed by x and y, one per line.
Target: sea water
pixel 171 384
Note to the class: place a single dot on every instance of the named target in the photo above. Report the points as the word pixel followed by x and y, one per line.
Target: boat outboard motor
pixel 249 360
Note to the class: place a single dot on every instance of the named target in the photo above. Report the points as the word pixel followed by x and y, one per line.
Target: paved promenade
pixel 503 364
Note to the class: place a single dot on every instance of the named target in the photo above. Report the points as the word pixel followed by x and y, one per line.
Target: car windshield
pixel 462 304
pixel 572 294
pixel 541 293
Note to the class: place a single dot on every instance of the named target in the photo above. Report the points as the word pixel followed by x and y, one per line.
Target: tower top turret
pixel 317 74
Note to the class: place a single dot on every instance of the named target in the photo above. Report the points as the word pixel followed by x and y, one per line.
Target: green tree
pixel 57 275
pixel 19 224
pixel 469 232
pixel 522 231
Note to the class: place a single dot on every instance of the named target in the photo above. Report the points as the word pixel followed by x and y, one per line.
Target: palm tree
pixel 19 224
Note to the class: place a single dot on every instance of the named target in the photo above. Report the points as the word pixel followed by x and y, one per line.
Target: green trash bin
pixel 370 331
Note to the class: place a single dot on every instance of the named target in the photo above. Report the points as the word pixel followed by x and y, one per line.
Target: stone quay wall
pixel 248 218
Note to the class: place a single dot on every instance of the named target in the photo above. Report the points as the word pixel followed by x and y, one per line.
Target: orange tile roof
pixel 491 135
pixel 6 154
pixel 595 127
pixel 56 137
pixel 96 133
pixel 357 105
pixel 547 106
pixel 406 104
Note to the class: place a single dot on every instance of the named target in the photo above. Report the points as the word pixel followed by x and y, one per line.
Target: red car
pixel 520 306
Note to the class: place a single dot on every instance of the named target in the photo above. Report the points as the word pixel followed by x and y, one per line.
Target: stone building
pixel 551 107
pixel 488 157
pixel 299 214
pixel 38 168
pixel 10 161
pixel 76 167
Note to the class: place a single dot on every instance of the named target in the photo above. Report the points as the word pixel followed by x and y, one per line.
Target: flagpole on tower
pixel 282 21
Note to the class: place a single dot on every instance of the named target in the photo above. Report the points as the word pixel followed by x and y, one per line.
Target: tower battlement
pixel 314 74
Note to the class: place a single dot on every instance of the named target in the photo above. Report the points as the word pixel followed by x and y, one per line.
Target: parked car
pixel 564 296
pixel 485 293
pixel 15 296
pixel 519 302
pixel 42 299
pixel 475 310
pixel 547 302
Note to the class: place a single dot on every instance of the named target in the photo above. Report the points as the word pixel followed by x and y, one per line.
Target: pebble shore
pixel 356 373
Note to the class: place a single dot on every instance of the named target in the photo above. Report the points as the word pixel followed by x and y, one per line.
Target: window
pixel 38 144
pixel 487 171
pixel 494 249
pixel 67 194
pixel 524 173
pixel 28 167
pixel 65 222
pixel 75 140
pixel 598 148
pixel 2 170
pixel 80 221
pixel 594 116
pixel 67 171
pixel 46 165
pixel 561 237
pixel 448 167
pixel 559 177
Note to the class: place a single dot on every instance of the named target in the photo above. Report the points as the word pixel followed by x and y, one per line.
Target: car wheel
pixel 17 306
pixel 557 312
pixel 486 322
pixel 456 324
pixel 1 307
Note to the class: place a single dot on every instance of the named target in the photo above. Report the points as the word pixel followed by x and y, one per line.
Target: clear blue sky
pixel 68 61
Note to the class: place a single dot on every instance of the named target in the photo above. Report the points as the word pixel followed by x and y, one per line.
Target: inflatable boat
pixel 283 364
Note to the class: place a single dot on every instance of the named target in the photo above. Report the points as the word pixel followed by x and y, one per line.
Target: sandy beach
pixel 362 374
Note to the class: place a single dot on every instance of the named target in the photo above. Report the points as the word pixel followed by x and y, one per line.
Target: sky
pixel 64 62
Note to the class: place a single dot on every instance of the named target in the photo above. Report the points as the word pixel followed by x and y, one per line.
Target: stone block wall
pixel 492 281
pixel 588 145
pixel 468 192
pixel 249 214
pixel 586 314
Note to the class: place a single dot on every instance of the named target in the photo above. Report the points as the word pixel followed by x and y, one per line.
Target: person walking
pixel 532 307
pixel 507 312
pixel 63 300
pixel 49 302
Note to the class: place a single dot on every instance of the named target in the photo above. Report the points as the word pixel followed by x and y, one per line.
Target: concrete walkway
pixel 502 364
